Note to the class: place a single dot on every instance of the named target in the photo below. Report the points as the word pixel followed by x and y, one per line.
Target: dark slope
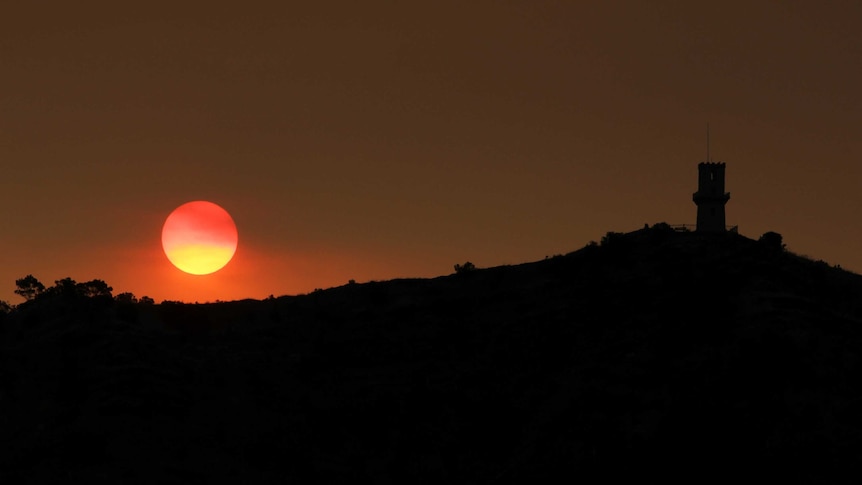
pixel 658 355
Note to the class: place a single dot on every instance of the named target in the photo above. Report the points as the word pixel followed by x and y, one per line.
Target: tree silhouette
pixel 126 297
pixel 94 289
pixel 66 287
pixel 29 287
pixel 69 288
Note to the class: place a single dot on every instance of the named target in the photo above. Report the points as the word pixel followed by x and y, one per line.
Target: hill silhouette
pixel 657 355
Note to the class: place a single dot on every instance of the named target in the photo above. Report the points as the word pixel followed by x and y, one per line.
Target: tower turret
pixel 710 197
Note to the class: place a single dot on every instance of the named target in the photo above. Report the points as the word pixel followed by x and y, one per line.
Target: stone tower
pixel 710 197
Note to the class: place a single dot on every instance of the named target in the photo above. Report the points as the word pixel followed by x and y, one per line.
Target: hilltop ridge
pixel 653 355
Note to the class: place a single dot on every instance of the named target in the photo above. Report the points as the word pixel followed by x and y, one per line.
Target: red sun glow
pixel 199 237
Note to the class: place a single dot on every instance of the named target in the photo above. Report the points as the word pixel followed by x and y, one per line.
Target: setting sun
pixel 199 237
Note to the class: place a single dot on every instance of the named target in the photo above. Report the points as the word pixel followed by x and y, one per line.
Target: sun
pixel 199 237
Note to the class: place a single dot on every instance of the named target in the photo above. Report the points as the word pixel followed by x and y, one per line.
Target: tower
pixel 710 197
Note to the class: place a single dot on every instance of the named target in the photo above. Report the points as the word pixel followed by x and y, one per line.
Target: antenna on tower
pixel 707 142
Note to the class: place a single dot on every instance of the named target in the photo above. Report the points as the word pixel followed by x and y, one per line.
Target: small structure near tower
pixel 710 197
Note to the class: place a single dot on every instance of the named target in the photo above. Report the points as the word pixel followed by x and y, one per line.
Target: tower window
pixel 712 175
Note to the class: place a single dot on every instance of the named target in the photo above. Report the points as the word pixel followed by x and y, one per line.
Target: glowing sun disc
pixel 199 237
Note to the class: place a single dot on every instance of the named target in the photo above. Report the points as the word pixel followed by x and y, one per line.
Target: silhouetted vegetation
pixel 773 240
pixel 663 227
pixel 659 356
pixel 94 289
pixel 32 289
pixel 465 268
pixel 5 309
pixel 611 238
pixel 29 287
pixel 126 297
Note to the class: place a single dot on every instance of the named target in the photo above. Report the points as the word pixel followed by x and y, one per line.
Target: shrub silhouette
pixel 611 238
pixel 465 268
pixel 662 227
pixel 773 240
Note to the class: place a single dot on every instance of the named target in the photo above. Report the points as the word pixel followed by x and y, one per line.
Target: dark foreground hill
pixel 657 356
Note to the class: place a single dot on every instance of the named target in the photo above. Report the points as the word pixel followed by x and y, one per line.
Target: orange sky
pixel 374 140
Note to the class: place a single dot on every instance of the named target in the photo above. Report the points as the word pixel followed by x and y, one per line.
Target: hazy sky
pixel 374 140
